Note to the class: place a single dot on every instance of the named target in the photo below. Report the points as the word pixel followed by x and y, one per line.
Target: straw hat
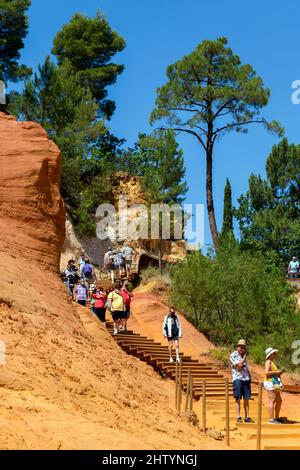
pixel 242 342
pixel 270 351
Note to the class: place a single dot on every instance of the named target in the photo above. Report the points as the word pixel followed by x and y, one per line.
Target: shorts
pixel 173 338
pixel 242 389
pixel 82 302
pixel 100 312
pixel 127 314
pixel 118 315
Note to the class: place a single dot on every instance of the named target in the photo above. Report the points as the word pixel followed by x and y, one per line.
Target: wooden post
pixel 176 387
pixel 191 394
pixel 204 406
pixel 227 413
pixel 258 443
pixel 187 391
pixel 180 388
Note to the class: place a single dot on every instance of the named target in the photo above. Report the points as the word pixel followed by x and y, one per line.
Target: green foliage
pixel 13 30
pixel 210 92
pixel 221 355
pixel 89 44
pixel 164 171
pixel 227 228
pixel 269 213
pixel 69 101
pixel 238 295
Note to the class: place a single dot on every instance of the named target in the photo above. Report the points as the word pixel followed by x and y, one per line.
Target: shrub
pixel 238 295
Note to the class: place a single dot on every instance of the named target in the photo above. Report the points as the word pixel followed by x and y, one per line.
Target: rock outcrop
pixel 64 382
pixel 130 187
pixel 31 209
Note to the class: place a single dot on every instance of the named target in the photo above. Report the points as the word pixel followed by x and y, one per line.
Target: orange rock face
pixel 31 209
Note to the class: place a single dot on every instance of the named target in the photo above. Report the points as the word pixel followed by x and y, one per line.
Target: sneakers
pixel 239 419
pixel 274 421
pixel 248 420
pixel 178 360
pixel 116 332
pixel 171 360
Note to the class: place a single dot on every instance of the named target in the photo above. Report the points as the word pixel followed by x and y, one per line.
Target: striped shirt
pixel 81 293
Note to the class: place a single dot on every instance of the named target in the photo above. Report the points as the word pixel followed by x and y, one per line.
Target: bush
pixel 238 295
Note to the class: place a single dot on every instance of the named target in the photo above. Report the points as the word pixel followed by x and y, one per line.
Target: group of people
pixel 241 380
pixel 118 260
pixel 293 268
pixel 80 282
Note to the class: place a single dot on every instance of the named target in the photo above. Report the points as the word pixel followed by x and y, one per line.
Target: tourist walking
pixel 81 293
pixel 127 296
pixel 241 380
pixel 172 331
pixel 116 305
pixel 109 264
pixel 88 271
pixel 127 255
pixel 99 305
pixel 273 384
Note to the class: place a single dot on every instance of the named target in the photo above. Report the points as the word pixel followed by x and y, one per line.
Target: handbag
pixel 276 381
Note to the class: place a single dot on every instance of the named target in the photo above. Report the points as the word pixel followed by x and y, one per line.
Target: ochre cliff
pixel 31 209
pixel 64 383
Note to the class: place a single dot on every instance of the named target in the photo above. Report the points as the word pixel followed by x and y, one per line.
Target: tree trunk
pixel 209 198
pixel 160 245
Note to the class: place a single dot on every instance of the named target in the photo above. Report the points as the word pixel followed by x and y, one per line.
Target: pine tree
pixel 164 173
pixel 209 93
pixel 89 45
pixel 13 30
pixel 227 228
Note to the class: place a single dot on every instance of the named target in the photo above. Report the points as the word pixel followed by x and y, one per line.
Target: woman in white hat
pixel 273 385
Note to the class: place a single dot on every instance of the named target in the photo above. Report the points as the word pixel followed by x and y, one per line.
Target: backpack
pixel 109 260
pixel 87 270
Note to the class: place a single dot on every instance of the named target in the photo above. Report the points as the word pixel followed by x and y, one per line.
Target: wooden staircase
pixel 157 356
pixel 274 437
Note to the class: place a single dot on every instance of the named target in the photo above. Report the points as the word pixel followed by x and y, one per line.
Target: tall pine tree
pixel 208 94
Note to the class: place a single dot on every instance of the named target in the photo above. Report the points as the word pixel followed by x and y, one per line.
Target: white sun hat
pixel 270 351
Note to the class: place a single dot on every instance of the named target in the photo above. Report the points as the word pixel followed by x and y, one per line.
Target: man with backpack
pixel 88 271
pixel 127 255
pixel 172 331
pixel 109 264
pixel 71 278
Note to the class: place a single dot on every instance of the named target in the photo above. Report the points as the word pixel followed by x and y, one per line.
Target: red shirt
pixel 126 297
pixel 100 300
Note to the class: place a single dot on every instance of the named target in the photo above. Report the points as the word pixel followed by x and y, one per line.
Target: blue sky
pixel 158 33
